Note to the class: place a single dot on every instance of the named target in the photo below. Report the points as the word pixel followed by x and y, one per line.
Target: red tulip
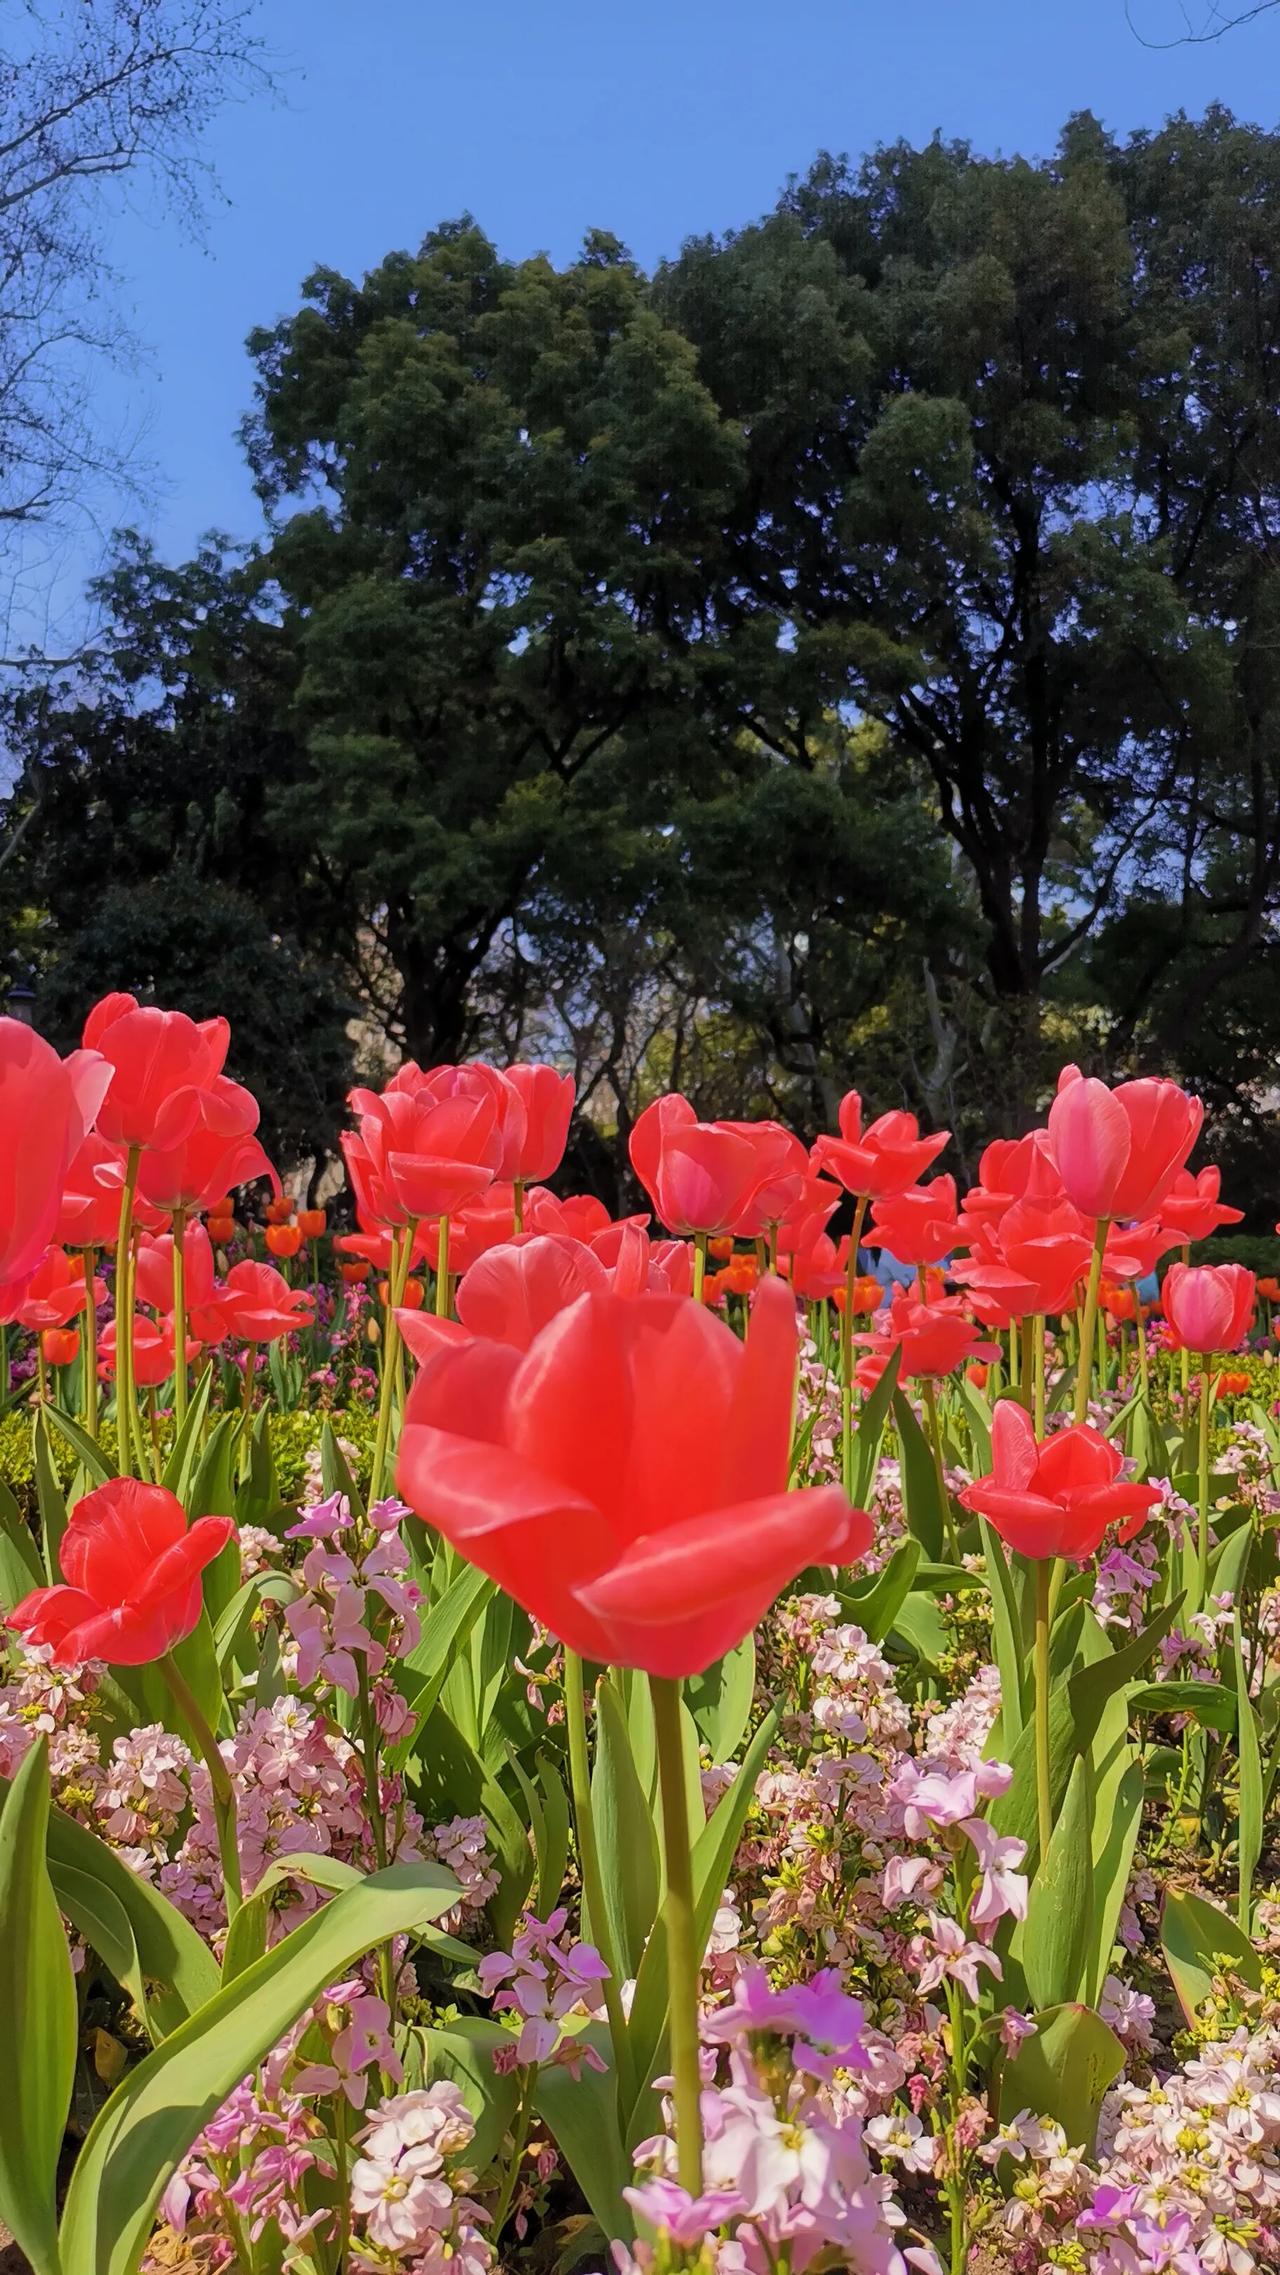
pixel 46 1106
pixel 428 1145
pixel 918 1226
pixel 218 1150
pixel 1134 1250
pixel 699 1175
pixel 783 1174
pixel 154 1281
pixel 511 1293
pixel 884 1159
pixel 1007 1167
pixel 637 1265
pixel 534 1145
pixel 1119 1151
pixel 1208 1307
pixel 161 1063
pixel 60 1345
pixel 258 1305
pixel 625 1478
pixel 55 1292
pixel 89 1216
pixel 153 1350
pixel 934 1339
pixel 814 1266
pixel 1057 1498
pixel 582 1216
pixel 133 1568
pixel 1191 1208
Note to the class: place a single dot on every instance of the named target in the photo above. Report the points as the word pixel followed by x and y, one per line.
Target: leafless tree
pixel 1202 24
pixel 100 100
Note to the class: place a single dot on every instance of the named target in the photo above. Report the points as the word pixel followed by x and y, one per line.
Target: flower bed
pixel 540 1743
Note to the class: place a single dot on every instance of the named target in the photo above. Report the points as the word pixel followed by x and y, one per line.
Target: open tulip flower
pixel 162 1069
pixel 258 1305
pixel 624 1478
pixel 1208 1307
pixel 885 1158
pixel 918 1226
pixel 1118 1152
pixel 700 1176
pixel 47 1107
pixel 132 1565
pixel 933 1338
pixel 1060 1497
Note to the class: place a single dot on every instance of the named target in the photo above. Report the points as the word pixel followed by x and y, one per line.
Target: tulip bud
pixel 283 1239
pixel 60 1345
pixel 311 1223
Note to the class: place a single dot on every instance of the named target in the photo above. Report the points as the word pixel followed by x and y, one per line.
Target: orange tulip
pixel 721 1247
pixel 221 1229
pixel 60 1345
pixel 412 1299
pixel 311 1223
pixel 1233 1385
pixel 283 1239
pixel 354 1272
pixel 279 1211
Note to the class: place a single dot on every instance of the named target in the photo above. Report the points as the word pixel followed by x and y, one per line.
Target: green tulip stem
pixel 179 1224
pixel 89 1366
pixel 1202 1506
pixel 442 1270
pixel 846 1345
pixel 584 1825
pixel 699 1264
pixel 930 1389
pixel 683 1956
pixel 1044 1800
pixel 517 1204
pixel 126 1417
pixel 1084 1362
pixel 224 1797
pixel 397 1278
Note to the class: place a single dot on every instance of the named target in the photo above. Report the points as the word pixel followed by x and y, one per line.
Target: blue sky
pixel 655 121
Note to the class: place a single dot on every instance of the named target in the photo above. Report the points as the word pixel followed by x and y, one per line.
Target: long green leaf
pixel 921 1493
pixel 146 2128
pixel 626 1833
pixel 1064 2071
pixel 177 1963
pixel 1006 1637
pixel 720 1700
pixel 424 1670
pixel 50 1499
pixel 875 1605
pixel 185 1453
pixel 38 2017
pixel 20 1566
pixel 1057 1942
pixel 1249 1826
pixel 873 1418
pixel 1200 1943
pixel 86 1449
pixel 582 2114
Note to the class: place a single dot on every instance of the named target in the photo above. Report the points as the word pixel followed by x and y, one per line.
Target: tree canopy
pixel 848 651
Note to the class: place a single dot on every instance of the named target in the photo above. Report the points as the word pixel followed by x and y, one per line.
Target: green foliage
pixel 293 1438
